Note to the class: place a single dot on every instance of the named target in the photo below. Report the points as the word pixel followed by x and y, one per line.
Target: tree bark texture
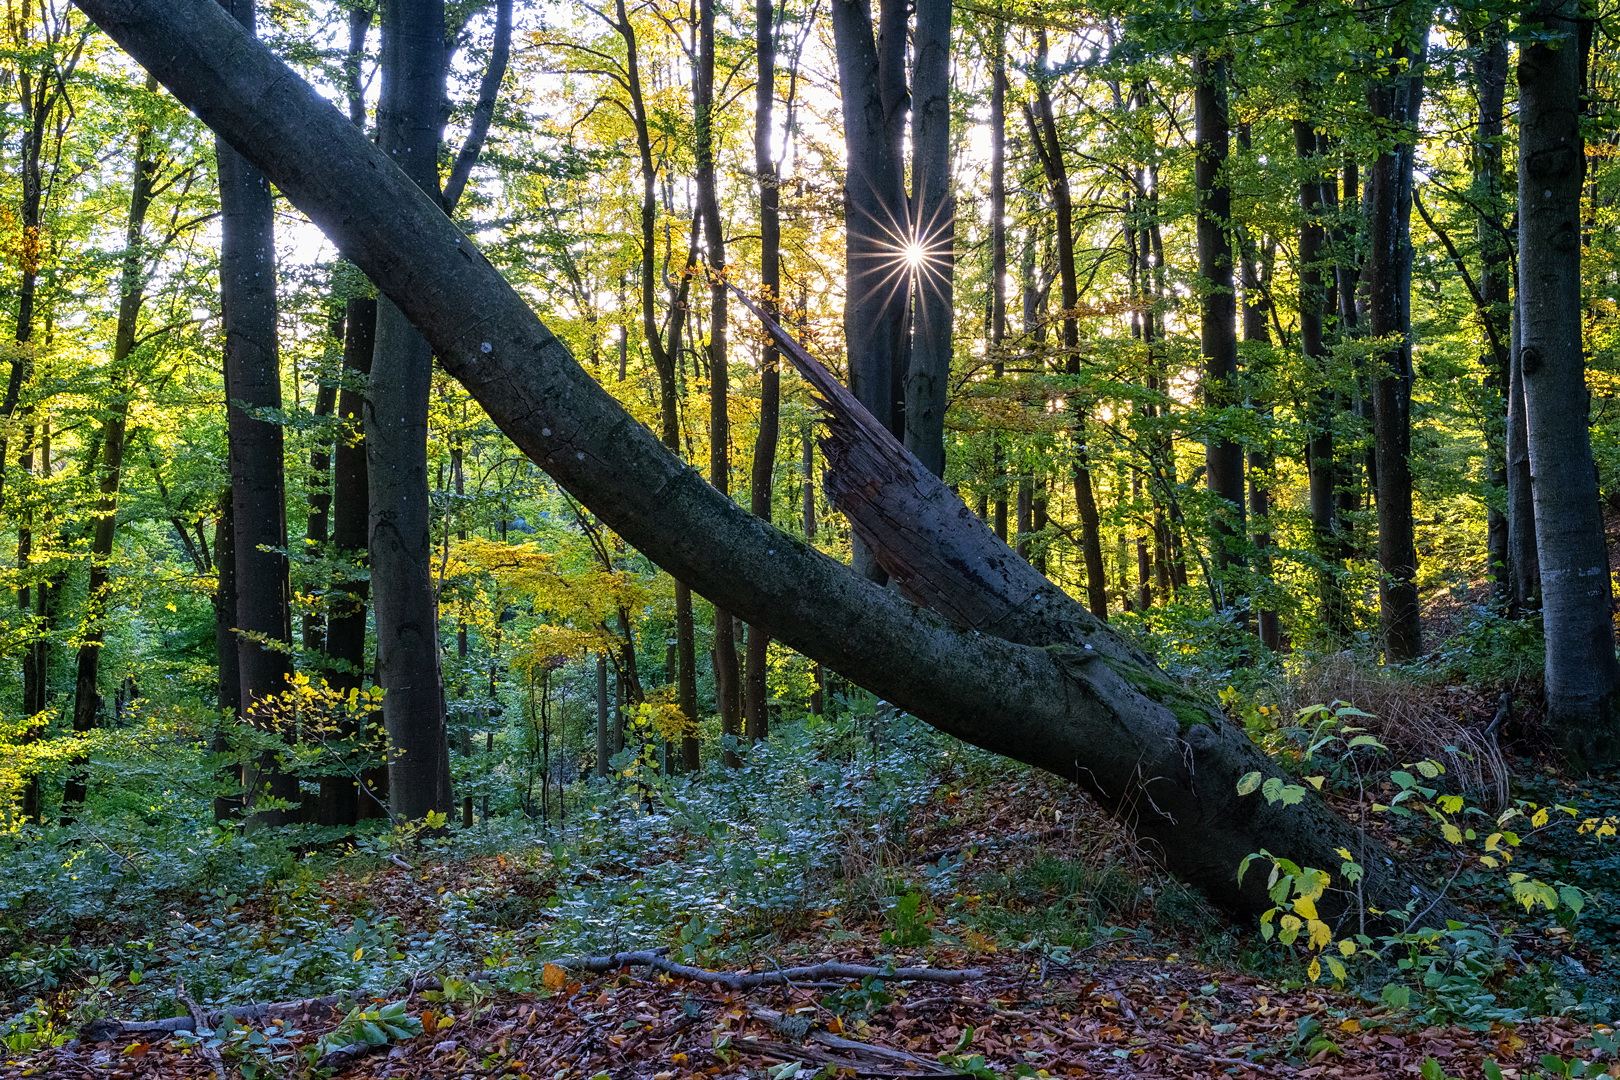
pixel 1217 305
pixel 728 686
pixel 1582 675
pixel 247 275
pixel 872 90
pixel 1042 122
pixel 341 802
pixel 410 121
pixel 756 719
pixel 1164 762
pixel 229 670
pixel 1395 97
pixel 933 231
pixel 1495 289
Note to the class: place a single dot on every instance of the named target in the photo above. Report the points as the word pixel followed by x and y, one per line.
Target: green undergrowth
pixel 726 867
pixel 869 833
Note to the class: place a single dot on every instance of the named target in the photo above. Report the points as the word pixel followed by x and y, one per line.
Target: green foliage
pixel 372 1027
pixel 910 922
pixel 1452 974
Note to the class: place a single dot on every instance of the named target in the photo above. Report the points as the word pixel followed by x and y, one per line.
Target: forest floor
pixel 1156 986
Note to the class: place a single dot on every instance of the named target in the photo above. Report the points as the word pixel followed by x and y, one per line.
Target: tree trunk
pixel 1315 300
pixel 318 526
pixel 1049 150
pixel 1217 305
pixel 664 360
pixel 1583 677
pixel 1495 288
pixel 229 695
pixel 933 235
pixel 755 691
pixel 1394 101
pixel 1256 308
pixel 1101 716
pixel 727 674
pixel 132 293
pixel 341 801
pixel 1523 561
pixel 604 744
pixel 247 274
pixel 872 90
pixel 410 121
pixel 998 259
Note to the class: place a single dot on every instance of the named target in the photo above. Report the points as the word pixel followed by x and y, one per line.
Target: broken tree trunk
pixel 1011 664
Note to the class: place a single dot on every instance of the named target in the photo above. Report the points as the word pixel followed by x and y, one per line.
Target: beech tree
pixel 263 626
pixel 1583 678
pixel 1395 95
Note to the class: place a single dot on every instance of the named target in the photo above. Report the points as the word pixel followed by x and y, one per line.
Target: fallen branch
pixel 210 1054
pixel 747 980
pixel 345 1056
pixel 106 1029
pixel 837 1043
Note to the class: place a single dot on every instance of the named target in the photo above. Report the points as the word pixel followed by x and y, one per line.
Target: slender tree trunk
pixel 1256 310
pixel 1049 149
pixel 872 85
pixel 1523 560
pixel 410 121
pixel 933 232
pixel 341 801
pixel 727 673
pixel 1395 100
pixel 1495 287
pixel 998 256
pixel 132 293
pixel 318 527
pixel 1583 678
pixel 1315 300
pixel 1223 456
pixel 229 693
pixel 604 742
pixel 664 359
pixel 258 486
pixel 761 480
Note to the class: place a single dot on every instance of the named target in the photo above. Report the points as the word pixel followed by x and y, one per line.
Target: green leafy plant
pixel 372 1027
pixel 910 922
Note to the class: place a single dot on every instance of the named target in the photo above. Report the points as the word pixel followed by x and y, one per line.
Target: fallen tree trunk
pixel 1038 683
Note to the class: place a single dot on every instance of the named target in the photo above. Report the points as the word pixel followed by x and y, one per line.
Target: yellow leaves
pixel 1347 948
pixel 661 716
pixel 1452 834
pixel 553 977
pixel 1321 935
pixel 1305 907
pixel 1600 828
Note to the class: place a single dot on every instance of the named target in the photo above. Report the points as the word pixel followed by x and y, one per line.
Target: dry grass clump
pixel 1415 720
